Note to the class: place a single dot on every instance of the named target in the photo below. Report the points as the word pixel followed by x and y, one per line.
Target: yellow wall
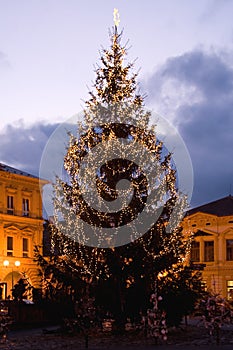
pixel 218 273
pixel 18 224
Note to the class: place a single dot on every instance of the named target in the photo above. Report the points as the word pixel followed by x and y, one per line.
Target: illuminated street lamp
pixel 6 263
pixel 17 263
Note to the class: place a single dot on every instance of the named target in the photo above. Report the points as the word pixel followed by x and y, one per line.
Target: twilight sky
pixel 184 51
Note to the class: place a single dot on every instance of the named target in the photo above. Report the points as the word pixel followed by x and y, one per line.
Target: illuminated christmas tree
pixel 131 241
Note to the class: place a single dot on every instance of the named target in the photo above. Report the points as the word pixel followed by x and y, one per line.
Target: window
pixel 25 207
pixel 9 246
pixel 209 251
pixel 25 247
pixel 229 249
pixel 10 205
pixel 195 251
pixel 204 285
pixel 230 290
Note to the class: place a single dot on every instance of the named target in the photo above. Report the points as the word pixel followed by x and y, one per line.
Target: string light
pixel 115 96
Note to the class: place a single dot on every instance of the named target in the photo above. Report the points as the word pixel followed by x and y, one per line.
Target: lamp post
pixel 6 263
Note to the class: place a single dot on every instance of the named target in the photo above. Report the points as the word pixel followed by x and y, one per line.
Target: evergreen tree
pixel 116 111
pixel 181 289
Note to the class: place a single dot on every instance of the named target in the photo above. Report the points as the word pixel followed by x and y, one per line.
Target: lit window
pixel 209 251
pixel 10 205
pixel 25 247
pixel 229 249
pixel 25 207
pixel 9 246
pixel 204 285
pixel 230 290
pixel 195 251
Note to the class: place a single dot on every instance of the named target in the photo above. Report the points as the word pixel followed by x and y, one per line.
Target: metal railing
pixel 21 213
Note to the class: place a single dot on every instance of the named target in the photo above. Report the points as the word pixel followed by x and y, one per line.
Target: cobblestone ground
pixel 191 337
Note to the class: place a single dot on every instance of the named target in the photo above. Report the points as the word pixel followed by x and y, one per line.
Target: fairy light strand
pixel 115 91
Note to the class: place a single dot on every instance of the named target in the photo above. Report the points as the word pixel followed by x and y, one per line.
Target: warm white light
pixel 116 17
pixel 17 263
pixel 6 263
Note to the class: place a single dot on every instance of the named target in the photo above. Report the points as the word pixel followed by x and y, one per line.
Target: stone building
pixel 212 248
pixel 21 227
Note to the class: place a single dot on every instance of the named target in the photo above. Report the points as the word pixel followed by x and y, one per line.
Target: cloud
pixel 22 146
pixel 196 91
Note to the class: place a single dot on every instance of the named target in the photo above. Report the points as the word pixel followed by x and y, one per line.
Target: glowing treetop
pixel 116 17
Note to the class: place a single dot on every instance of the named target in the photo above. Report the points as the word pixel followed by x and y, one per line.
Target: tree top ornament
pixel 116 17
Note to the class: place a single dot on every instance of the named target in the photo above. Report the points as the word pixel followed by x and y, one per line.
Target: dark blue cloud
pixel 207 72
pixel 22 146
pixel 205 121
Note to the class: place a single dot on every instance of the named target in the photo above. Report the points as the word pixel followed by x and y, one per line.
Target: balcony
pixel 21 213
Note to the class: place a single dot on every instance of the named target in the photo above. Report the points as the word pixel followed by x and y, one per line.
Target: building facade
pixel 212 248
pixel 21 227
